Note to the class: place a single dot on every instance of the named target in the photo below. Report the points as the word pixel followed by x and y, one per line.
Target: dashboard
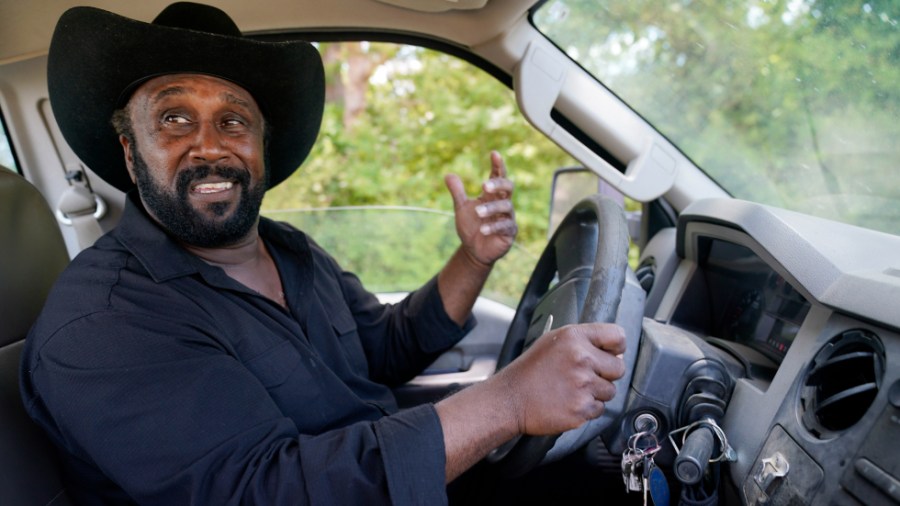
pixel 749 303
pixel 809 308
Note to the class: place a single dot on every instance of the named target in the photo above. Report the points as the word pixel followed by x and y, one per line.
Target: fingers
pixel 500 187
pixel 593 410
pixel 606 336
pixel 498 184
pixel 603 343
pixel 499 215
pixel 457 190
pixel 498 166
pixel 500 227
pixel 594 368
pixel 603 389
pixel 609 338
pixel 494 208
pixel 593 384
pixel 566 377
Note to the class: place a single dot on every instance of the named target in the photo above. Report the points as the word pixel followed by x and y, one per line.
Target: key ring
pixel 650 449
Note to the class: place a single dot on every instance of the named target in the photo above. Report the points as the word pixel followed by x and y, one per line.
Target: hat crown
pixel 198 17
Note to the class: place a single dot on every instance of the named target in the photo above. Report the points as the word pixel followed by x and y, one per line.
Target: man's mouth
pixel 212 184
pixel 206 188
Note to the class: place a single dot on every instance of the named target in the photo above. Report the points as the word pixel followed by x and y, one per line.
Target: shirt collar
pixel 161 256
pixel 165 259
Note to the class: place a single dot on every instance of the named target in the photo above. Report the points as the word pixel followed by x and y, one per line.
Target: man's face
pixel 198 157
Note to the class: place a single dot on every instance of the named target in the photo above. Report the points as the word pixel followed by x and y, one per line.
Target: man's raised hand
pixel 486 225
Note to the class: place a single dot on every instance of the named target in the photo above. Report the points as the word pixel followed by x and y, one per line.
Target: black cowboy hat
pixel 97 59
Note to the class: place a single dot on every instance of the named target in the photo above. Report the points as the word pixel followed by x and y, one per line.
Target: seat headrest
pixel 32 254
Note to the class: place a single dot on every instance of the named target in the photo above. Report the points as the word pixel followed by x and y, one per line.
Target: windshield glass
pixel 793 103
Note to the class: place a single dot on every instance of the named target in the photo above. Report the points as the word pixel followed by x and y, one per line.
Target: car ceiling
pixel 28 26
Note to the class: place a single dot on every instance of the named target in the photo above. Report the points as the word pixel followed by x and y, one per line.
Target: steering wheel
pixel 582 276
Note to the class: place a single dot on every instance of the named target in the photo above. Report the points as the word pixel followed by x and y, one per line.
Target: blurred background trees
pixel 793 103
pixel 397 119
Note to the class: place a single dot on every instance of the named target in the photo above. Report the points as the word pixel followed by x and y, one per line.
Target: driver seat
pixel 32 255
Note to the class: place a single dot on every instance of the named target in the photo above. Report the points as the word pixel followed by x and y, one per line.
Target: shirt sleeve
pixel 400 340
pixel 170 417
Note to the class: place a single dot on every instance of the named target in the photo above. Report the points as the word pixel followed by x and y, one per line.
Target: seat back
pixel 32 254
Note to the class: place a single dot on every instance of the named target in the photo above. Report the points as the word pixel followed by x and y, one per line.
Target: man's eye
pixel 174 118
pixel 233 122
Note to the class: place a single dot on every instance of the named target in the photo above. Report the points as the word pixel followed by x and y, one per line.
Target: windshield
pixel 792 103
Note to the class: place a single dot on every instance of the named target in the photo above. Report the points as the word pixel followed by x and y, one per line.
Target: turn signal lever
pixel 690 465
pixel 701 439
pixel 703 404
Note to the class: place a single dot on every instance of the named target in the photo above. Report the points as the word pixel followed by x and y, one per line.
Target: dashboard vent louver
pixel 842 382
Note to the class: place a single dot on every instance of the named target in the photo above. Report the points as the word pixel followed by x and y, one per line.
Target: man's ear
pixel 128 147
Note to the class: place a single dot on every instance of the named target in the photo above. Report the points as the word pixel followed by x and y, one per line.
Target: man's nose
pixel 209 145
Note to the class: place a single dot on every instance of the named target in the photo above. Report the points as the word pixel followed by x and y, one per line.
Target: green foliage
pixel 788 102
pixel 427 115
pixel 407 246
pixel 420 124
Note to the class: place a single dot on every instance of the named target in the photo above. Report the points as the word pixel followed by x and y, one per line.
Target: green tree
pixel 788 102
pixel 426 114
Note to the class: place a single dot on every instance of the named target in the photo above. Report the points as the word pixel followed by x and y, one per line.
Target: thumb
pixel 457 191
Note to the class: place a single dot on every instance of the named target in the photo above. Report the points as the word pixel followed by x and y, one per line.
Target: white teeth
pixel 213 187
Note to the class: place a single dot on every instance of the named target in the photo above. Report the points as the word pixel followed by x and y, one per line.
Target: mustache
pixel 197 172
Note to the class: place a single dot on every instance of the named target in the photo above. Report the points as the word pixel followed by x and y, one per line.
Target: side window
pixel 7 160
pixel 397 119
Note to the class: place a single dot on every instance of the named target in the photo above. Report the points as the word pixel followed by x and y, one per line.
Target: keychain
pixel 639 471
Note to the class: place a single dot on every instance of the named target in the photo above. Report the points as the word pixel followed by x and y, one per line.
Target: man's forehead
pixel 159 88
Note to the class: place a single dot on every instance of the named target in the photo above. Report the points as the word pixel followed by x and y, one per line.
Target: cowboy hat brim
pixel 98 58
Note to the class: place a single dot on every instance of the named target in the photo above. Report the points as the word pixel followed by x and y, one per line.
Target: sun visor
pixel 436 5
pixel 540 80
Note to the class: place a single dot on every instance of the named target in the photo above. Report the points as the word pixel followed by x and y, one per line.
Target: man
pixel 201 354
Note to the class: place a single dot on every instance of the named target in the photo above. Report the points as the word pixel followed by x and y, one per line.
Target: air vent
pixel 842 382
pixel 646 274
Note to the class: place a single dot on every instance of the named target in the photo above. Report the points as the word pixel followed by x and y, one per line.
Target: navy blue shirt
pixel 164 381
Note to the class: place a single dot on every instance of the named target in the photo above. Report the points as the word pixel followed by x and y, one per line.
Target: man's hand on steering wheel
pixel 565 377
pixel 559 383
pixel 487 224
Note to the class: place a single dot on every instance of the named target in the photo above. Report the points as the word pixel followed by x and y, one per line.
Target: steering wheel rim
pixel 588 256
